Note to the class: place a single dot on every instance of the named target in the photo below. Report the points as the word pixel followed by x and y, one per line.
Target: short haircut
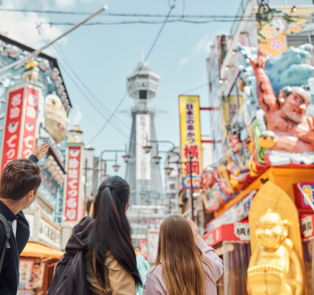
pixel 19 177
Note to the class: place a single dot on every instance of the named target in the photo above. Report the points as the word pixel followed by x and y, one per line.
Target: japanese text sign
pixel 12 126
pixel 72 185
pixel 30 121
pixel 21 122
pixel 190 140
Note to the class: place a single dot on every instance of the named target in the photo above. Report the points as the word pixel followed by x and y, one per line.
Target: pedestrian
pixel 185 265
pixel 99 257
pixel 143 266
pixel 19 185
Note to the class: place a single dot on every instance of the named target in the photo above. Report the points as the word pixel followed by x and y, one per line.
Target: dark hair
pixel 111 230
pixel 19 177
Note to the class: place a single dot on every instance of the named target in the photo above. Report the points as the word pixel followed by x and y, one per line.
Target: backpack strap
pixel 6 244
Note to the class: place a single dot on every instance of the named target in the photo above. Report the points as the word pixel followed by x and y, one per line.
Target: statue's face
pixel 234 142
pixel 295 105
pixel 208 180
pixel 271 231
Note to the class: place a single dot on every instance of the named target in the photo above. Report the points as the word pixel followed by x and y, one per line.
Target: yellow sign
pixel 190 126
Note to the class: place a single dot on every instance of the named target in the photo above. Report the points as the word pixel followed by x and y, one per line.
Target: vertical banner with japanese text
pixel 20 121
pixel 71 205
pixel 143 164
pixel 30 120
pixel 190 131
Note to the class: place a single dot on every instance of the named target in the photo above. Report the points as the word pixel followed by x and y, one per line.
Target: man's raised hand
pixel 40 150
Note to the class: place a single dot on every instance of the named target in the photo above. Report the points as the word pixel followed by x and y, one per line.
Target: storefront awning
pixel 40 251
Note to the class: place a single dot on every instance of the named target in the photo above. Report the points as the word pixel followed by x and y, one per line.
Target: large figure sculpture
pixel 289 129
pixel 274 267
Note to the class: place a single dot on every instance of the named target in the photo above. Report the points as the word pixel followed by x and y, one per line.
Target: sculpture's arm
pixel 299 281
pixel 265 92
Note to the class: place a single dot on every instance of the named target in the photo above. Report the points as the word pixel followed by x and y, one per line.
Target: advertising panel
pixel 30 121
pixel 12 126
pixel 152 242
pixel 143 159
pixel 72 185
pixel 190 140
pixel 144 248
pixel 31 274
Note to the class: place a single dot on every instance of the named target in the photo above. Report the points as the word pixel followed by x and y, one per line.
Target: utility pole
pixel 191 177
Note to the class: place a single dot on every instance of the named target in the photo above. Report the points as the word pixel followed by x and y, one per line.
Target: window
pixel 143 94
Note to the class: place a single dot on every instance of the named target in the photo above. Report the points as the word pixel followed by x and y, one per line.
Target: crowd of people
pixel 99 257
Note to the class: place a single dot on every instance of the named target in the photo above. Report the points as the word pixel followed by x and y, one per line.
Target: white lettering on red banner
pixel 12 127
pixel 73 179
pixel 30 122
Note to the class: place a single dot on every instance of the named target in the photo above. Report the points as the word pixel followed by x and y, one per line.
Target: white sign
pixel 152 243
pixel 242 231
pixel 143 159
pixel 306 226
pixel 49 233
pixel 30 220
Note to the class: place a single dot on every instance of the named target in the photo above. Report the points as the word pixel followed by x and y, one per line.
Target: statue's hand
pixel 298 287
pixel 260 62
pixel 267 139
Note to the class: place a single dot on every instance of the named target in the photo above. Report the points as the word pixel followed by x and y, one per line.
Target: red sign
pixel 72 185
pixel 30 121
pixel 239 231
pixel 307 225
pixel 12 127
pixel 301 201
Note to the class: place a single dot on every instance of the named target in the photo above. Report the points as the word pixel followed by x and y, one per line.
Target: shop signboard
pixel 72 198
pixel 239 231
pixel 31 274
pixel 144 248
pixel 143 159
pixel 49 233
pixel 300 200
pixel 307 225
pixel 152 245
pixel 236 213
pixel 20 122
pixel 152 224
pixel 190 131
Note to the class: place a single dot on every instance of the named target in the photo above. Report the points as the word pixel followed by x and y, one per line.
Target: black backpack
pixel 6 244
pixel 70 276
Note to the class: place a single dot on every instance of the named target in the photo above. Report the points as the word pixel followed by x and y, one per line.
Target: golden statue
pixel 275 266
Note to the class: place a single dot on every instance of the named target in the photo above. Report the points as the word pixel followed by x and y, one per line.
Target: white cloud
pixel 22 27
pixel 201 47
pixel 77 115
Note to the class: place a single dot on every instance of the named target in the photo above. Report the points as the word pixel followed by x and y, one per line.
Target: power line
pixel 147 56
pixel 132 14
pixel 84 95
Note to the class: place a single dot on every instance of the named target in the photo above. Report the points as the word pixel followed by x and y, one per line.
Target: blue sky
pixel 102 56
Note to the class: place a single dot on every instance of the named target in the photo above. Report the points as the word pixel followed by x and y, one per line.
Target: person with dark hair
pixel 19 185
pixel 109 258
pixel 184 263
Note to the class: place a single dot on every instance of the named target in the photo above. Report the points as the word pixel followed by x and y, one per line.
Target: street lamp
pixel 126 158
pixel 168 170
pixel 116 167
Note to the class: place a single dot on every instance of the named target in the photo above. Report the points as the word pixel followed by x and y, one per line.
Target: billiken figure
pixel 288 129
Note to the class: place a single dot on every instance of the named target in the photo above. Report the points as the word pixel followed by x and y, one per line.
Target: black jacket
pixel 9 278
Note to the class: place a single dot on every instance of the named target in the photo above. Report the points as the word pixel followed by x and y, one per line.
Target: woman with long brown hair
pixel 185 265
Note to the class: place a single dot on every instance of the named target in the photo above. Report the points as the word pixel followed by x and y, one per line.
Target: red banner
pixel 72 185
pixel 12 126
pixel 29 127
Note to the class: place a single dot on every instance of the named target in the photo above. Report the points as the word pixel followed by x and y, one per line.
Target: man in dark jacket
pixel 19 185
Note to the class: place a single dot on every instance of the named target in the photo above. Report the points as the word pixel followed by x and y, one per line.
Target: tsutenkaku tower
pixel 142 173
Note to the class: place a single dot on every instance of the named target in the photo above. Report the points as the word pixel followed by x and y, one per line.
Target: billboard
pixel 143 159
pixel 20 122
pixel 190 131
pixel 72 184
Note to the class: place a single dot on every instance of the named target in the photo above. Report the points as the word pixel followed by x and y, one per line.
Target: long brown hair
pixel 180 258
